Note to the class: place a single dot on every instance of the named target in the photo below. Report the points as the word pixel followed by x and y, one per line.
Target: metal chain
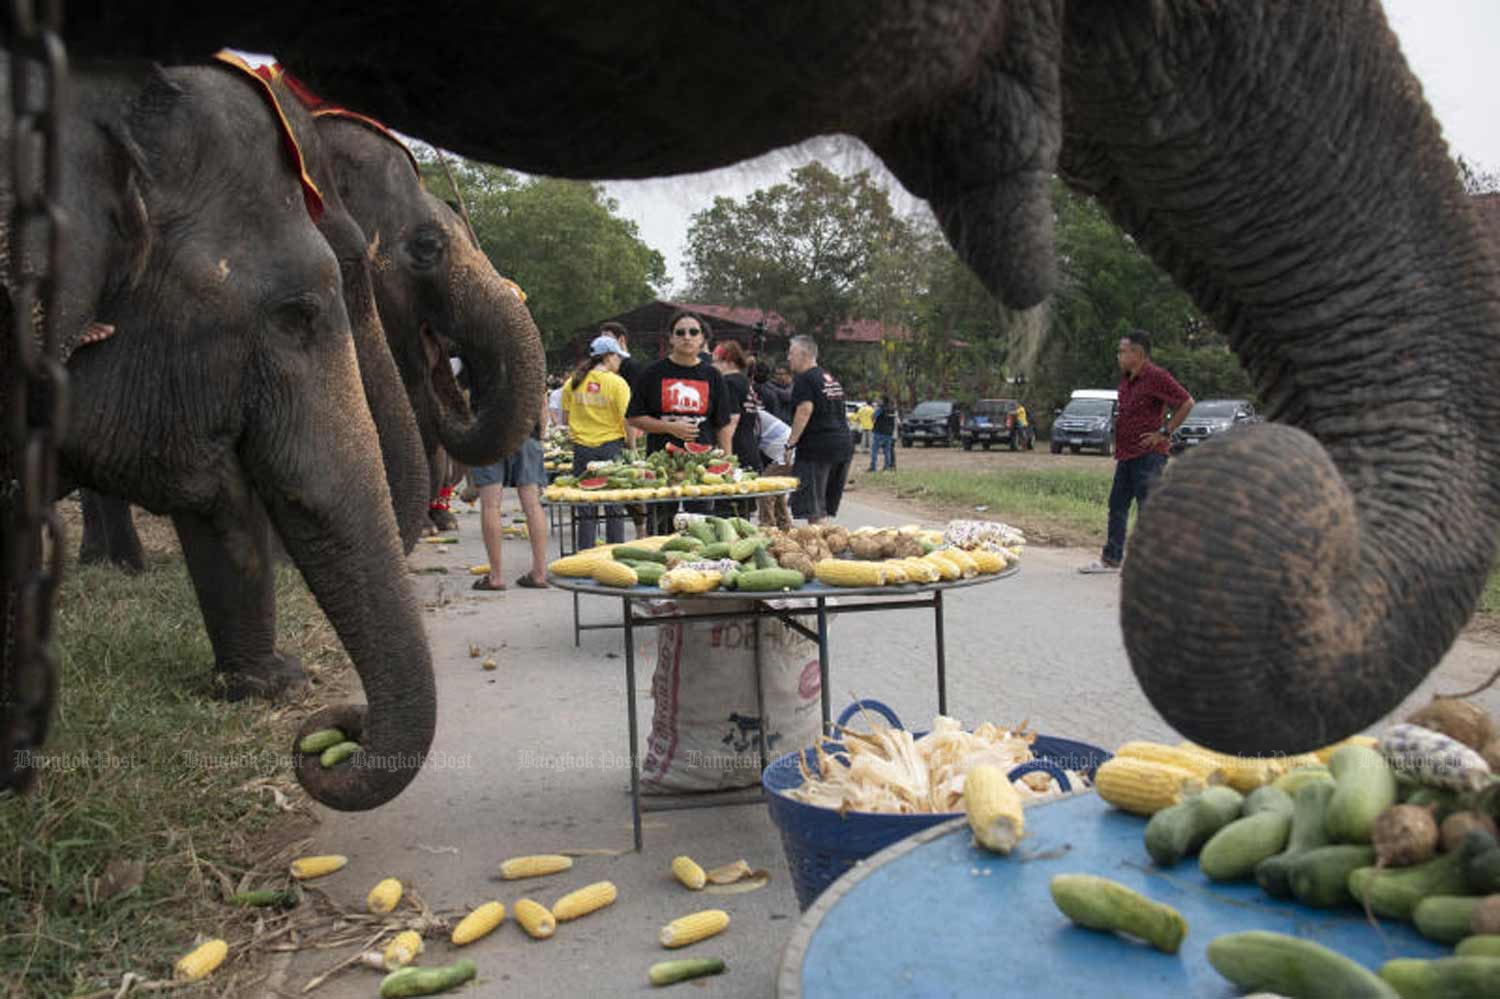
pixel 37 388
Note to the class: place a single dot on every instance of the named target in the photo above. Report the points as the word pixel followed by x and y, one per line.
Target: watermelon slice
pixel 693 447
pixel 719 468
pixel 592 483
pixel 672 448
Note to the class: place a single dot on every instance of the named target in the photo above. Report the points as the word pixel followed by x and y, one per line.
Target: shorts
pixel 820 488
pixel 527 467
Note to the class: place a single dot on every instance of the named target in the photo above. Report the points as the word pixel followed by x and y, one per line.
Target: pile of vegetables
pixel 1403 827
pixel 557 451
pixel 687 470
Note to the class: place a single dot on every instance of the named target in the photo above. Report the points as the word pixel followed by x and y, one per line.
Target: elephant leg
pixel 230 562
pixel 109 533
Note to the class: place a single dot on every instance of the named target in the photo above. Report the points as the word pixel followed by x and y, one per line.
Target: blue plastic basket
pixel 821 844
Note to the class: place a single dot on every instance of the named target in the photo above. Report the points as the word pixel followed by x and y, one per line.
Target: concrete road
pixel 531 758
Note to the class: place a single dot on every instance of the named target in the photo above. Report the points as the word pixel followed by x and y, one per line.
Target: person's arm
pixel 726 435
pixel 1183 405
pixel 656 425
pixel 800 419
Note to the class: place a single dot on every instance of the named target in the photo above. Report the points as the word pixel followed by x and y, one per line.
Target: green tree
pixel 562 241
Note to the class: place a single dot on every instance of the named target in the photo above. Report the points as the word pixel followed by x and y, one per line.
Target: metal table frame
pixel 929 595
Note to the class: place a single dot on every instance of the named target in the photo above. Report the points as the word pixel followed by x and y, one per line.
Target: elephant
pixel 229 391
pixel 1276 158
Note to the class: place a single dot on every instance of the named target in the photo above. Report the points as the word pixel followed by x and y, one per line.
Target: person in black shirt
pixel 820 435
pixel 729 359
pixel 883 434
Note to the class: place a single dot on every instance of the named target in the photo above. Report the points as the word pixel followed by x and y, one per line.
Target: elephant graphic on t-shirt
pixel 683 396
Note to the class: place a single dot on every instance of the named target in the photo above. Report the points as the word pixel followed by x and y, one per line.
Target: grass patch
pixel 142 764
pixel 1063 506
pixel 1489 600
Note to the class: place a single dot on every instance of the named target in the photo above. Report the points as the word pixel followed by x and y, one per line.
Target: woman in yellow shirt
pixel 595 398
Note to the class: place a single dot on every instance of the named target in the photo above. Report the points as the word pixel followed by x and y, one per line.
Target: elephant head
pixel 435 288
pixel 232 385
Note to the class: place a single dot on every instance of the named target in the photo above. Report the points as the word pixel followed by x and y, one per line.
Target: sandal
pixel 527 582
pixel 483 583
pixel 1098 567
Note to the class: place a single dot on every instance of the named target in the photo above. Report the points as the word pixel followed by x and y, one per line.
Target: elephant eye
pixel 425 248
pixel 298 311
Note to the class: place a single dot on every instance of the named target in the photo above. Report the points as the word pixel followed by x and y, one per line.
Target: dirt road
pixel 956 459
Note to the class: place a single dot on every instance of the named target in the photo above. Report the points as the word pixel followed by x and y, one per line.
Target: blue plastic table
pixel 934 916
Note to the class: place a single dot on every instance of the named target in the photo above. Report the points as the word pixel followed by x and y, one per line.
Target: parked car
pixel 1088 420
pixel 936 421
pixel 993 421
pixel 1212 416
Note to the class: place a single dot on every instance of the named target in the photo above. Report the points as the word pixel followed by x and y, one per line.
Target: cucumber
pixel 1444 918
pixel 683 543
pixel 1097 903
pixel 763 559
pixel 1481 860
pixel 1483 945
pixel 1445 978
pixel 719 549
pixel 413 981
pixel 648 573
pixel 1366 786
pixel 625 553
pixel 1310 805
pixel 1396 893
pixel 703 531
pixel 323 738
pixel 745 548
pixel 1294 780
pixel 743 527
pixel 723 530
pixel 671 972
pixel 1259 961
pixel 769 579
pixel 1179 830
pixel 1234 851
pixel 1320 877
pixel 1444 802
pixel 334 755
pixel 729 579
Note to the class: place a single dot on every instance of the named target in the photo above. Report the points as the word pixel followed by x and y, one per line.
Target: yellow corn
pixel 580 565
pixel 384 896
pixel 534 866
pixel 1243 773
pixel 988 560
pixel 315 867
pixel 479 923
pixel 480 570
pixel 686 870
pixel 1354 740
pixel 201 960
pixel 685 580
pixel 691 929
pixel 1142 786
pixel 918 571
pixel 994 808
pixel 583 901
pixel 402 950
pixel 963 560
pixel 613 573
pixel 1208 769
pixel 950 569
pixel 535 919
pixel 895 572
pixel 849 572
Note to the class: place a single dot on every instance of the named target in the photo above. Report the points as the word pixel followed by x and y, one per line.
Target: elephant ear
pixel 130 171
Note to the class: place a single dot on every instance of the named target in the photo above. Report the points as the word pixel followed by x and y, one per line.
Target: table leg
pixel 942 663
pixel 760 694
pixel 577 632
pixel 823 692
pixel 635 767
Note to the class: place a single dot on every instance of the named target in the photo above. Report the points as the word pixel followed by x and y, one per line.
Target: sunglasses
pixel 688 331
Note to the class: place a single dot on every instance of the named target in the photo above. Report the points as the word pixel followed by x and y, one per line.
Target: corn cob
pixel 1243 773
pixel 1208 769
pixel 534 866
pixel 1433 758
pixel 402 950
pixel 1142 786
pixel 479 923
pixel 580 565
pixel 612 573
pixel 849 572
pixel 384 896
pixel 919 571
pixel 535 919
pixel 685 580
pixel 895 572
pixel 964 560
pixel 583 901
pixel 1354 740
pixel 315 867
pixel 988 560
pixel 201 960
pixel 691 929
pixel 686 870
pixel 994 808
pixel 950 569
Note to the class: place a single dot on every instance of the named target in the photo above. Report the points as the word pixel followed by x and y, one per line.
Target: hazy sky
pixel 1450 45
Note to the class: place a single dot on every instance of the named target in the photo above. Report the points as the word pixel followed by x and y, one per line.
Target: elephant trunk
pixel 1286 588
pixel 503 359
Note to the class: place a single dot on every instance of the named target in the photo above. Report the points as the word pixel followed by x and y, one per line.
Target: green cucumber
pixel 719 549
pixel 1320 877
pixel 413 981
pixel 1444 918
pixel 1396 893
pixel 1481 859
pixel 1234 851
pixel 1482 945
pixel 724 530
pixel 334 755
pixel 672 972
pixel 323 738
pixel 1295 779
pixel 744 527
pixel 1444 978
pixel 1310 805
pixel 1259 961
pixel 1179 830
pixel 1444 802
pixel 703 531
pixel 763 559
pixel 625 553
pixel 1366 786
pixel 729 579
pixel 648 573
pixel 683 543
pixel 769 579
pixel 746 547
pixel 1097 903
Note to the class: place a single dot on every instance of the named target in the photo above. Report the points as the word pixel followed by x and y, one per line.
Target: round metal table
pixel 935 915
pixel 564 526
pixel 810 601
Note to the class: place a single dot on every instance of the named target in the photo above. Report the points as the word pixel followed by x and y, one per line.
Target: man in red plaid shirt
pixel 1146 393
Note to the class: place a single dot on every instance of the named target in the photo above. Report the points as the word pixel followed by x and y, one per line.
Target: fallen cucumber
pixel 672 972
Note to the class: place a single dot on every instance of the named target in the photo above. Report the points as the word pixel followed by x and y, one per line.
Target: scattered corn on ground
pixel 478 924
pixel 687 871
pixel 402 950
pixel 304 868
pixel 535 919
pixel 584 901
pixel 384 897
pixel 201 961
pixel 691 929
pixel 534 866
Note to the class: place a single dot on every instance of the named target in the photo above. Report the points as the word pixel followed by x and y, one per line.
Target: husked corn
pixel 850 572
pixel 402 950
pixel 534 866
pixel 1143 786
pixel 988 560
pixel 610 572
pixel 963 560
pixel 315 867
pixel 686 870
pixel 994 808
pixel 691 929
pixel 479 923
pixel 685 580
pixel 584 901
pixel 384 896
pixel 950 569
pixel 1243 773
pixel 919 571
pixel 535 919
pixel 1207 768
pixel 201 961
pixel 580 565
pixel 895 572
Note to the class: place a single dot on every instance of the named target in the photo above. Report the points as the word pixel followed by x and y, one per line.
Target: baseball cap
pixel 606 345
